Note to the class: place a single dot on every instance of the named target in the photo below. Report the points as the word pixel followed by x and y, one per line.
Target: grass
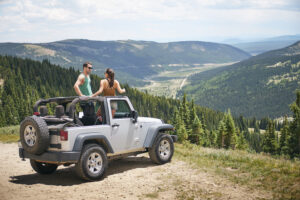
pixel 279 176
pixel 9 134
pixel 153 195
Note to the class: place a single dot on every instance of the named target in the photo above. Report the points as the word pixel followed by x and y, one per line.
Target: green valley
pixel 171 78
pixel 263 85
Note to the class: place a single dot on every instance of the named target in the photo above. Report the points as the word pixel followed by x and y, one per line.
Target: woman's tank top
pixel 109 91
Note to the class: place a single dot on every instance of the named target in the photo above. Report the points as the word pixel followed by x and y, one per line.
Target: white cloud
pixel 117 19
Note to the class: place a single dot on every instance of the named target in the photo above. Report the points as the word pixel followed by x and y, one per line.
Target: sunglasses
pixel 90 67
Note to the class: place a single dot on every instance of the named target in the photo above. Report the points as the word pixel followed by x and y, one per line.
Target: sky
pixel 156 20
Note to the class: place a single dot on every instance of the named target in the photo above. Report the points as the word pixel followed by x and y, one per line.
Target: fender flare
pixel 91 136
pixel 153 131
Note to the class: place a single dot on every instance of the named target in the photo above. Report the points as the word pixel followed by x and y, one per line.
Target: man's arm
pixel 119 88
pixel 79 82
pixel 100 89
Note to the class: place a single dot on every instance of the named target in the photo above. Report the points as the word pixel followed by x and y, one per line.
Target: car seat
pixel 89 115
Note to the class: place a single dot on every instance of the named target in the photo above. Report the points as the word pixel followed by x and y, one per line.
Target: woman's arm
pixel 119 87
pixel 100 89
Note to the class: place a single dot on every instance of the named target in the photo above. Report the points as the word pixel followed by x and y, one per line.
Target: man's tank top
pixel 85 88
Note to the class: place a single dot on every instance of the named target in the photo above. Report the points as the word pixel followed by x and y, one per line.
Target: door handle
pixel 115 125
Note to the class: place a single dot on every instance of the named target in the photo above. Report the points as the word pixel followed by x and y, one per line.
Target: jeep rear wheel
pixel 34 135
pixel 162 149
pixel 92 163
pixel 43 168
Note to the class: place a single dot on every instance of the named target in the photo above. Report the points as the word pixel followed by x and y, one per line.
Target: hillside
pixel 258 47
pixel 263 85
pixel 132 60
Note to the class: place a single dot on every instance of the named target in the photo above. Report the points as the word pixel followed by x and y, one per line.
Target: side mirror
pixel 134 115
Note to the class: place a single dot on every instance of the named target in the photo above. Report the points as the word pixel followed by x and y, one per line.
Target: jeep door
pixel 122 127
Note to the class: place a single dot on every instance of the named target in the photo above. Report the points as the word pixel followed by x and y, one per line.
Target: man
pixel 83 84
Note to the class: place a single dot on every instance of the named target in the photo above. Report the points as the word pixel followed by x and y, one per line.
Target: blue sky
pixel 155 20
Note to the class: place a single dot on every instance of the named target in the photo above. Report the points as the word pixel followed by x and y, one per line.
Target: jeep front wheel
pixel 43 168
pixel 162 149
pixel 92 163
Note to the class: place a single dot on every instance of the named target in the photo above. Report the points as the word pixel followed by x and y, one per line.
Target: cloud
pixel 117 19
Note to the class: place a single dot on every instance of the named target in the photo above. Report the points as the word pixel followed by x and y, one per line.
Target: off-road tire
pixel 85 164
pixel 43 168
pixel 37 128
pixel 162 149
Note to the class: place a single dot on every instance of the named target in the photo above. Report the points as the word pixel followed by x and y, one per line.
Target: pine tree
pixel 177 120
pixel 212 138
pixel 193 114
pixel 256 127
pixel 221 134
pixel 269 143
pixel 203 122
pixel 284 137
pixel 263 123
pixel 294 140
pixel 230 139
pixel 197 132
pixel 185 112
pixel 241 141
pixel 255 141
pixel 181 132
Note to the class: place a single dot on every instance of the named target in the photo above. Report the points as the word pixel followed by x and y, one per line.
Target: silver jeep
pixel 90 131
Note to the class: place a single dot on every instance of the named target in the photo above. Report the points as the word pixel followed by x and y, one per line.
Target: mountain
pixel 263 85
pixel 258 47
pixel 132 60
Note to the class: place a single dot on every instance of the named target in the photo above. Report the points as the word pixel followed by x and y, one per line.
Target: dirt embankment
pixel 130 178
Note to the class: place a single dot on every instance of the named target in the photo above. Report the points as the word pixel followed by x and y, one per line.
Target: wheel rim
pixel 30 135
pixel 164 149
pixel 94 163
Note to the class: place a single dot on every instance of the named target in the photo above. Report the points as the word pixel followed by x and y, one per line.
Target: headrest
pixel 43 111
pixel 59 111
pixel 89 109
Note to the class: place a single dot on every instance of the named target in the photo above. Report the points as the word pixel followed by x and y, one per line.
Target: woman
pixel 108 86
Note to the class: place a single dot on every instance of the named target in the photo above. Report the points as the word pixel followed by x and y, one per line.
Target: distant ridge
pixel 133 60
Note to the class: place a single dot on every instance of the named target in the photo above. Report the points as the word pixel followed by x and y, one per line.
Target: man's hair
pixel 86 64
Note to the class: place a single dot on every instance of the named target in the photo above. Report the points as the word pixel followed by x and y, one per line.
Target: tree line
pixel 190 127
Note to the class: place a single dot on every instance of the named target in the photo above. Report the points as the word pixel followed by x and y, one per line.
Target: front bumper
pixel 52 157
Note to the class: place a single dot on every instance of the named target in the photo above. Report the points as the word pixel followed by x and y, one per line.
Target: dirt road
pixel 130 178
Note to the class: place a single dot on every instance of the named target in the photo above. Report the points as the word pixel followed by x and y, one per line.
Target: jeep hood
pixel 149 120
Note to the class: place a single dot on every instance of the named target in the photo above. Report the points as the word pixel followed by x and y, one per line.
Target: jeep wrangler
pixel 88 132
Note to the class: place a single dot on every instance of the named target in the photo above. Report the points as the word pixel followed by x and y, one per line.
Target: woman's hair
pixel 111 76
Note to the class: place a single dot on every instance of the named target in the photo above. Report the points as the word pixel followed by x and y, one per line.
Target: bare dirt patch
pixel 39 50
pixel 130 178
